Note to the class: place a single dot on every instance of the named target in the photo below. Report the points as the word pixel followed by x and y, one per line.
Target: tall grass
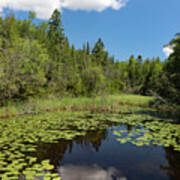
pixel 68 103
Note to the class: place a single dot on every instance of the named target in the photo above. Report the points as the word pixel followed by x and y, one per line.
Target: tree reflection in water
pixel 173 168
pixel 55 152
pixel 167 168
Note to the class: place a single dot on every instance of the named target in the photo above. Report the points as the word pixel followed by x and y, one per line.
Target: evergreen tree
pixel 88 48
pixel 55 32
pixel 98 52
pixel 173 68
pixel 56 41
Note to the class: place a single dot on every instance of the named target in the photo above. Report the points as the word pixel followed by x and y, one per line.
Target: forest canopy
pixel 37 59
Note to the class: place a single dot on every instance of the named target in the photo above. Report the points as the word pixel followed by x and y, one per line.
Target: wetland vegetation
pixel 73 114
pixel 29 141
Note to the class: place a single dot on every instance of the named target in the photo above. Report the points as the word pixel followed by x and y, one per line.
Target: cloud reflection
pixel 93 172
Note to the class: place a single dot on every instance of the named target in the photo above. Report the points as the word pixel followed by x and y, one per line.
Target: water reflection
pixel 55 152
pixel 93 172
pixel 173 167
pixel 98 156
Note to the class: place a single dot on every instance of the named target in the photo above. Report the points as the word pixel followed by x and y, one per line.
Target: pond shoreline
pixel 101 104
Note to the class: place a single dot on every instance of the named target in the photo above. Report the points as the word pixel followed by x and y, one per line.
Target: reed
pixel 111 103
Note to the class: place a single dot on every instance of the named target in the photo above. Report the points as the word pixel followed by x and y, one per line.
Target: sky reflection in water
pixel 98 156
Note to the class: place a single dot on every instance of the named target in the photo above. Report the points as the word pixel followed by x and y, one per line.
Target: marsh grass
pixel 111 103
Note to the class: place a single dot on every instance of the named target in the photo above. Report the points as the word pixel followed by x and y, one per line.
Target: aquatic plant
pixel 151 132
pixel 20 136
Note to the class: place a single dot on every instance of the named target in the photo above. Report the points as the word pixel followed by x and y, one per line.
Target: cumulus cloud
pixel 98 5
pixel 44 8
pixel 168 50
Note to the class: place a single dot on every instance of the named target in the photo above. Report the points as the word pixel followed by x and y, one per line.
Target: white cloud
pixel 98 5
pixel 168 50
pixel 44 8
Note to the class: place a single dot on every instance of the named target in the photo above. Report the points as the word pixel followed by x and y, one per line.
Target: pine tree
pixel 98 52
pixel 88 49
pixel 55 32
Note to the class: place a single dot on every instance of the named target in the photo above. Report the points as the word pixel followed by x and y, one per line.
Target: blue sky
pixel 140 27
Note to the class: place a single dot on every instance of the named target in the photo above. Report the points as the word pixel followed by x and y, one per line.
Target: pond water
pixel 81 146
pixel 99 156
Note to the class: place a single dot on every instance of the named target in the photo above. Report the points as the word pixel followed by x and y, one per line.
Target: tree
pixel 55 32
pixel 152 71
pixel 9 31
pixel 55 44
pixel 32 15
pixel 93 81
pixel 173 67
pixel 88 48
pixel 135 74
pixel 23 70
pixel 98 52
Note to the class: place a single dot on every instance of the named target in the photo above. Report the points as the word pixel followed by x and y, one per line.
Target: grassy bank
pixel 121 102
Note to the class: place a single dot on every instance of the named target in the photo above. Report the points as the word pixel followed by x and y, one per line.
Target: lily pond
pixel 142 145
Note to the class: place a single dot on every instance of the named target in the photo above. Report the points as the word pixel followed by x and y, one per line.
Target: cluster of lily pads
pixel 149 132
pixel 20 136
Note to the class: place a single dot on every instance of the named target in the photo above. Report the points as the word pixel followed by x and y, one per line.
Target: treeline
pixel 37 59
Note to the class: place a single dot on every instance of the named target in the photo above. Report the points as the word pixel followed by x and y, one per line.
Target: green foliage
pixel 37 59
pixel 32 15
pixel 55 35
pixel 93 81
pixel 173 69
pixel 152 78
pixel 98 52
pixel 23 69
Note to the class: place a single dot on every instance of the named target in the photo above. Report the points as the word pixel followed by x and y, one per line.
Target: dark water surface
pixel 99 156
